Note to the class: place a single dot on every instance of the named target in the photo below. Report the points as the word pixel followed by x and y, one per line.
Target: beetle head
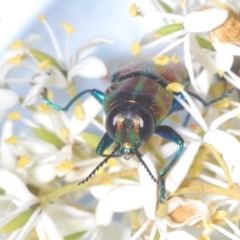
pixel 130 124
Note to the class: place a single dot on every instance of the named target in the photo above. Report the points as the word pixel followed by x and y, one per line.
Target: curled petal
pixel 90 46
pixel 90 67
pixel 8 98
pixel 206 20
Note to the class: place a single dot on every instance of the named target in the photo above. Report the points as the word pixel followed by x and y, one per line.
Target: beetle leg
pixel 105 143
pixel 99 96
pixel 206 104
pixel 171 135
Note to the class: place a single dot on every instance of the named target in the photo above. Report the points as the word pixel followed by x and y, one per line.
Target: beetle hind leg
pixel 169 134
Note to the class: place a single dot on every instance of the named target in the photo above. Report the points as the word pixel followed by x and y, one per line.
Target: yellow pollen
pixel 11 140
pixel 41 17
pixel 64 133
pixel 16 45
pixel 174 58
pixel 135 48
pixel 16 60
pixel 100 171
pixel 47 238
pixel 112 163
pixel 175 87
pixel 220 214
pixel 67 27
pixel 207 224
pixel 45 109
pixel 49 94
pixel 46 64
pixel 175 118
pixel 204 237
pixel 64 166
pixel 220 73
pixel 133 11
pixel 22 162
pixel 107 182
pixel 194 172
pixel 78 113
pixel 222 104
pixel 161 60
pixel 14 116
pixel 182 3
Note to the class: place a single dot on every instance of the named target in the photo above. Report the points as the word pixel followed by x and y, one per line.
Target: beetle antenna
pixel 99 166
pixel 139 156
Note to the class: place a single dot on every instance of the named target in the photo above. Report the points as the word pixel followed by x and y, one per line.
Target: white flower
pixel 199 22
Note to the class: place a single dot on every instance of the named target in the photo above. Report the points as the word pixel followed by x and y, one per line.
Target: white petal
pixel 14 186
pixel 188 61
pixel 177 235
pixel 56 78
pixel 180 170
pixel 33 94
pixel 205 20
pixel 227 48
pixel 89 46
pixel 31 39
pixel 90 67
pixel 226 145
pixel 50 227
pixel 41 174
pixel 104 214
pixel 26 229
pixel 125 198
pixel 74 218
pixel 8 98
pixel 8 159
pixel 148 186
pixel 100 192
pixel 223 61
pixel 223 118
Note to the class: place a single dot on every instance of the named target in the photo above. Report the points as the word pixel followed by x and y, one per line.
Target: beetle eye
pixel 146 124
pixel 111 122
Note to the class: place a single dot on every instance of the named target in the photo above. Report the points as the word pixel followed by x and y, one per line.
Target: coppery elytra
pixel 135 104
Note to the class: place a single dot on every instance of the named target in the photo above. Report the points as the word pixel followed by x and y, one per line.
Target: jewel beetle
pixel 135 104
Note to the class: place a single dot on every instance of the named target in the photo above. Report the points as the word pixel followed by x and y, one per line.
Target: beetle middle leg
pixel 169 134
pixel 99 96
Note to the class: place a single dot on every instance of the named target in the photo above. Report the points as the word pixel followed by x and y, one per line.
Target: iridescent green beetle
pixel 135 104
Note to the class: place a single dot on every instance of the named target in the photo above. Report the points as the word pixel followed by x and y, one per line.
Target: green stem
pixel 96 180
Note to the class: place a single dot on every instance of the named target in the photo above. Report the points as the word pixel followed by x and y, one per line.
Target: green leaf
pixel 157 236
pixel 171 28
pixel 165 6
pixel 41 56
pixel 91 139
pixel 74 236
pixel 17 222
pixel 2 191
pixel 48 137
pixel 203 43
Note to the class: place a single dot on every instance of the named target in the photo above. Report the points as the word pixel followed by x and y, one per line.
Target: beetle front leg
pixel 99 96
pixel 104 144
pixel 171 135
